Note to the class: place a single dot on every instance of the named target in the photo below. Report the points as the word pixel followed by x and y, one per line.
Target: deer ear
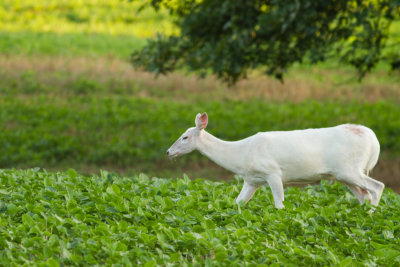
pixel 201 120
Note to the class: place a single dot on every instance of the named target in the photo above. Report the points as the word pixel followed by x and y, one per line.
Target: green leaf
pixel 12 209
pixel 4 192
pixel 151 263
pixel 347 262
pixel 27 220
pixel 247 214
pixel 27 242
pixel 388 234
pixel 52 263
pixel 72 173
pixel 113 190
pixel 121 247
pixel 53 241
pixel 220 253
pixel 387 253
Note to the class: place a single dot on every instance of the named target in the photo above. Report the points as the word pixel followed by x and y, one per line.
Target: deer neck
pixel 226 154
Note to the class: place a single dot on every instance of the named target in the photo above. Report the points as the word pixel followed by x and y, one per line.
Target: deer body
pixel 345 153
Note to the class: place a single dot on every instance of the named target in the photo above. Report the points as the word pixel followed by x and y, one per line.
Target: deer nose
pixel 167 152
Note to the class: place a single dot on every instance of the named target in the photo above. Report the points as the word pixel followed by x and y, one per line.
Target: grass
pixel 100 113
pixel 109 75
pixel 58 219
pixel 69 98
pixel 105 17
pixel 129 129
pixel 69 44
pixel 74 28
pixel 126 132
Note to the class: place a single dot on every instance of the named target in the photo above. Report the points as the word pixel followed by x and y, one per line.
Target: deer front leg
pixel 275 183
pixel 246 193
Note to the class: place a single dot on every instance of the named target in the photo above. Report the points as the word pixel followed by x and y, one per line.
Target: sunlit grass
pixel 84 17
pixel 69 45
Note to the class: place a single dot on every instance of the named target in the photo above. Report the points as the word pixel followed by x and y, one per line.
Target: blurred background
pixel 69 97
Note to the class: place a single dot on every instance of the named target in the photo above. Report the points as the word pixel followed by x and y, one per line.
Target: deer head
pixel 188 140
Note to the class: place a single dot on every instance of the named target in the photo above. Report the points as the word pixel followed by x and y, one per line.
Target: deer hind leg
pixel 360 193
pixel 377 187
pixel 363 187
pixel 247 192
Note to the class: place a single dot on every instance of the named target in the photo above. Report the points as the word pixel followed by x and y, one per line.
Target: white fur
pixel 346 153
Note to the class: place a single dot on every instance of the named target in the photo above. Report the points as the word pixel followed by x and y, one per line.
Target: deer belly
pixel 302 181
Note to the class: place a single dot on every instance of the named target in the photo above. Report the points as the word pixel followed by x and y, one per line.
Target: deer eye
pixel 184 138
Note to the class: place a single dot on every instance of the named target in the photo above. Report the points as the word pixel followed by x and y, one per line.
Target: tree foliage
pixel 228 38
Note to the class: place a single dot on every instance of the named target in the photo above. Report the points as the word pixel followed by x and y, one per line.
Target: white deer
pixel 346 153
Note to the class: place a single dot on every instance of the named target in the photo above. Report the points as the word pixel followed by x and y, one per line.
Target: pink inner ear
pixel 203 121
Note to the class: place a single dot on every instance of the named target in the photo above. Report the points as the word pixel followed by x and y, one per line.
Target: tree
pixel 228 38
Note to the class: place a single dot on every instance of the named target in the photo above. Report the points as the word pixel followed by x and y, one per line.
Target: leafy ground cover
pixel 61 219
pixel 69 99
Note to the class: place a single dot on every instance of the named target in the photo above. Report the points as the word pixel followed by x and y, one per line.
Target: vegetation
pixel 80 117
pixel 68 44
pixel 75 28
pixel 58 219
pixel 229 38
pixel 69 98
pixel 73 16
pixel 129 130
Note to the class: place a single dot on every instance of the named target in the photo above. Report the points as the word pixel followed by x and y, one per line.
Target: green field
pixel 69 44
pixel 129 131
pixel 89 17
pixel 66 219
pixel 69 99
